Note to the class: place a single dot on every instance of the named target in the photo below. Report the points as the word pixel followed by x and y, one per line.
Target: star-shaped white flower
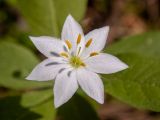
pixel 75 61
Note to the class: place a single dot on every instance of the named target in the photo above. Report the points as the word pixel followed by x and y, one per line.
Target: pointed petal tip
pixel 57 104
pixel 101 101
pixel 122 67
pixel 69 17
pixel 107 27
pixel 125 66
pixel 29 78
pixel 32 38
pixel 100 98
pixel 106 30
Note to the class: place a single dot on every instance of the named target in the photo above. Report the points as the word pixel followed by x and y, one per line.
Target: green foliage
pixel 11 109
pixel 45 110
pixel 146 44
pixel 35 97
pixel 46 17
pixel 15 64
pixel 77 109
pixel 139 85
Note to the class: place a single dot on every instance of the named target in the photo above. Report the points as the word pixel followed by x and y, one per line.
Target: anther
pixel 79 39
pixel 82 64
pixel 93 54
pixel 88 43
pixel 64 54
pixel 68 44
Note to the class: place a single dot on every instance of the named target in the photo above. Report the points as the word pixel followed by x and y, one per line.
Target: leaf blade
pixel 138 85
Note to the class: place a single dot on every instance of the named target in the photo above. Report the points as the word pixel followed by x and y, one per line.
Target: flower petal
pixel 99 38
pixel 91 83
pixel 65 86
pixel 48 45
pixel 105 63
pixel 47 70
pixel 71 30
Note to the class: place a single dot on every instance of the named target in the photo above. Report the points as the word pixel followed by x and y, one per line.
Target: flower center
pixel 76 62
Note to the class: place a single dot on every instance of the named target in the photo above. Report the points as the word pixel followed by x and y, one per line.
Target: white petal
pixel 71 30
pixel 65 86
pixel 91 83
pixel 47 70
pixel 99 38
pixel 47 45
pixel 105 63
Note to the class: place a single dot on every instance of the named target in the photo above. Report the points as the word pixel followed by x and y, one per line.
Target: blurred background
pixel 125 18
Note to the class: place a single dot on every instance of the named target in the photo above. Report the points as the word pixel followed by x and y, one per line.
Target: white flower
pixel 75 60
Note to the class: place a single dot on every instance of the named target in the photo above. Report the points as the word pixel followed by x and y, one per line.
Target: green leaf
pixel 46 110
pixel 11 109
pixel 46 17
pixel 139 85
pixel 15 64
pixel 77 108
pixel 76 8
pixel 147 44
pixel 35 97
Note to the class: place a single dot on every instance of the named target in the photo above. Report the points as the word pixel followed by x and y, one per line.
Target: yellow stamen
pixel 88 43
pixel 93 54
pixel 64 54
pixel 82 64
pixel 68 44
pixel 76 62
pixel 79 39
